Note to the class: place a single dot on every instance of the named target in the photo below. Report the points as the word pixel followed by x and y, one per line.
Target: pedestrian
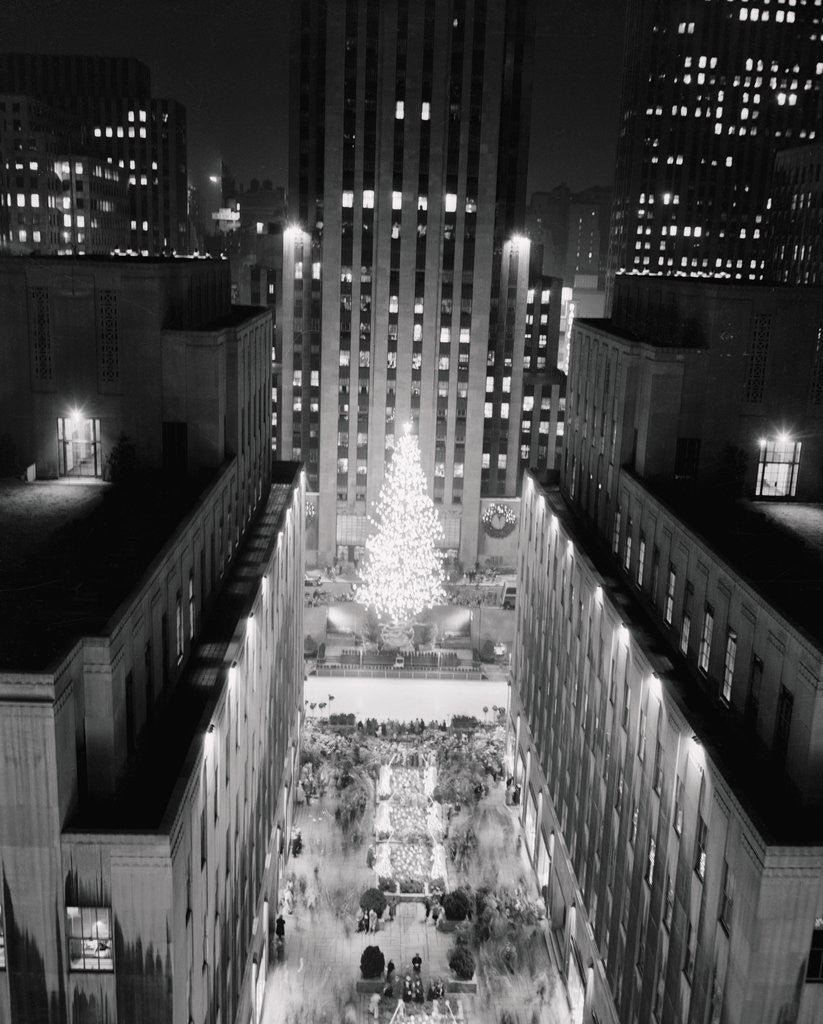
pixel 435 913
pixel 516 796
pixel 428 906
pixel 417 963
pixel 372 921
pixel 280 933
pixel 362 921
pixel 374 1005
pixel 392 908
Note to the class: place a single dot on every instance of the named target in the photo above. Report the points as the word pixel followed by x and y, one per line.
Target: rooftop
pixel 776 547
pixel 70 552
pixel 143 795
pixel 743 762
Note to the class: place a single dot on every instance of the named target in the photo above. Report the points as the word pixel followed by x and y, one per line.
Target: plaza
pixel 316 976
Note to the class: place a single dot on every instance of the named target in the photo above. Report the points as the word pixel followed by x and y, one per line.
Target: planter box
pixel 456 985
pixel 371 985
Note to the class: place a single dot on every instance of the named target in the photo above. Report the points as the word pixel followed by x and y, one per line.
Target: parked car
pixel 510 596
pixel 312 579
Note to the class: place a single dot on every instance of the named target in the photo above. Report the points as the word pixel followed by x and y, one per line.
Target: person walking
pixel 427 904
pixel 280 934
pixel 372 921
pixel 417 963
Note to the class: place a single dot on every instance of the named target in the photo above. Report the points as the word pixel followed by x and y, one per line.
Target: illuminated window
pixel 89 935
pixel 368 199
pixel 728 664
pixel 397 200
pixel 348 198
pixel 777 469
pixel 399 110
pixel 705 650
pixel 700 847
pixel 451 202
pixel 425 111
pixel 422 202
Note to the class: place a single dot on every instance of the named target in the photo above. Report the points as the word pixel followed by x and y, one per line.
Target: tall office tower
pixel 105 104
pixel 404 283
pixel 796 217
pixel 711 92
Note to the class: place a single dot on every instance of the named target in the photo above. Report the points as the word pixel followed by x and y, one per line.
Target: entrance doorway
pixel 78 446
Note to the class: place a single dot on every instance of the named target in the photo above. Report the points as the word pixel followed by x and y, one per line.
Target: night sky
pixel 228 64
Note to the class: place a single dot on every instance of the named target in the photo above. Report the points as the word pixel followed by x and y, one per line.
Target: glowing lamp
pixel 783 437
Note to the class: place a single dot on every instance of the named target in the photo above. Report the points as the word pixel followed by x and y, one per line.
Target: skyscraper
pixel 132 148
pixel 404 282
pixel 711 92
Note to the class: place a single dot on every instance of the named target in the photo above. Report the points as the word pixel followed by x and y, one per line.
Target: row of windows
pixel 707 634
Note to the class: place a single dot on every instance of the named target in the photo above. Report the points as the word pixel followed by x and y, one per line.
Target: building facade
pixel 55 197
pixel 710 385
pixel 670 802
pixel 106 108
pixel 668 664
pixel 150 736
pixel 710 93
pixel 796 217
pixel 404 286
pixel 148 348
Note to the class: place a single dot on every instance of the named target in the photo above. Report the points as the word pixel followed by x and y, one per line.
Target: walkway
pixel 316 979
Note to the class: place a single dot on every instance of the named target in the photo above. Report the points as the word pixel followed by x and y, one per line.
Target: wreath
pixel 311 511
pixel 498 520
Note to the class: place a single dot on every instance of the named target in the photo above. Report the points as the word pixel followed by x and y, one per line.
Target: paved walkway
pixel 316 979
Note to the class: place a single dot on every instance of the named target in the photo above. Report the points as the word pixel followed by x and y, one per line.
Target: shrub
pixel 465 722
pixel 487 651
pixel 309 646
pixel 461 962
pixel 386 884
pixel 456 905
pixel 410 885
pixel 373 899
pixel 372 962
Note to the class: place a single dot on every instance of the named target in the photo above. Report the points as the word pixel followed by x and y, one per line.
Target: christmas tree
pixel 403 570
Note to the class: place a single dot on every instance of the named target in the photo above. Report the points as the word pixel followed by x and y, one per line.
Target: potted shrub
pixel 373 899
pixel 373 963
pixel 461 962
pixel 456 905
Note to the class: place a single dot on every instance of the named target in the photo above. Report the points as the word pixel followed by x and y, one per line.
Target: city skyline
pixel 232 103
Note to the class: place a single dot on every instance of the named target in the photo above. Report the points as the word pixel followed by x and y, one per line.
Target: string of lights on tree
pixel 403 568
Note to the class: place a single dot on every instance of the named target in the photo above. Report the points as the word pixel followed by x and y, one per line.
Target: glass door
pixel 78 446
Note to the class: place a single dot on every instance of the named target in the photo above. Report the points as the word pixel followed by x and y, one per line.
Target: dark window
pixel 785 704
pixel 687 457
pixel 164 637
pixel 814 969
pixel 753 699
pixel 148 665
pixel 129 697
pixel 175 448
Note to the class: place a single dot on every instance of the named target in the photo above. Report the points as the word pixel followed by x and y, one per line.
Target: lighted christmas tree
pixel 403 570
